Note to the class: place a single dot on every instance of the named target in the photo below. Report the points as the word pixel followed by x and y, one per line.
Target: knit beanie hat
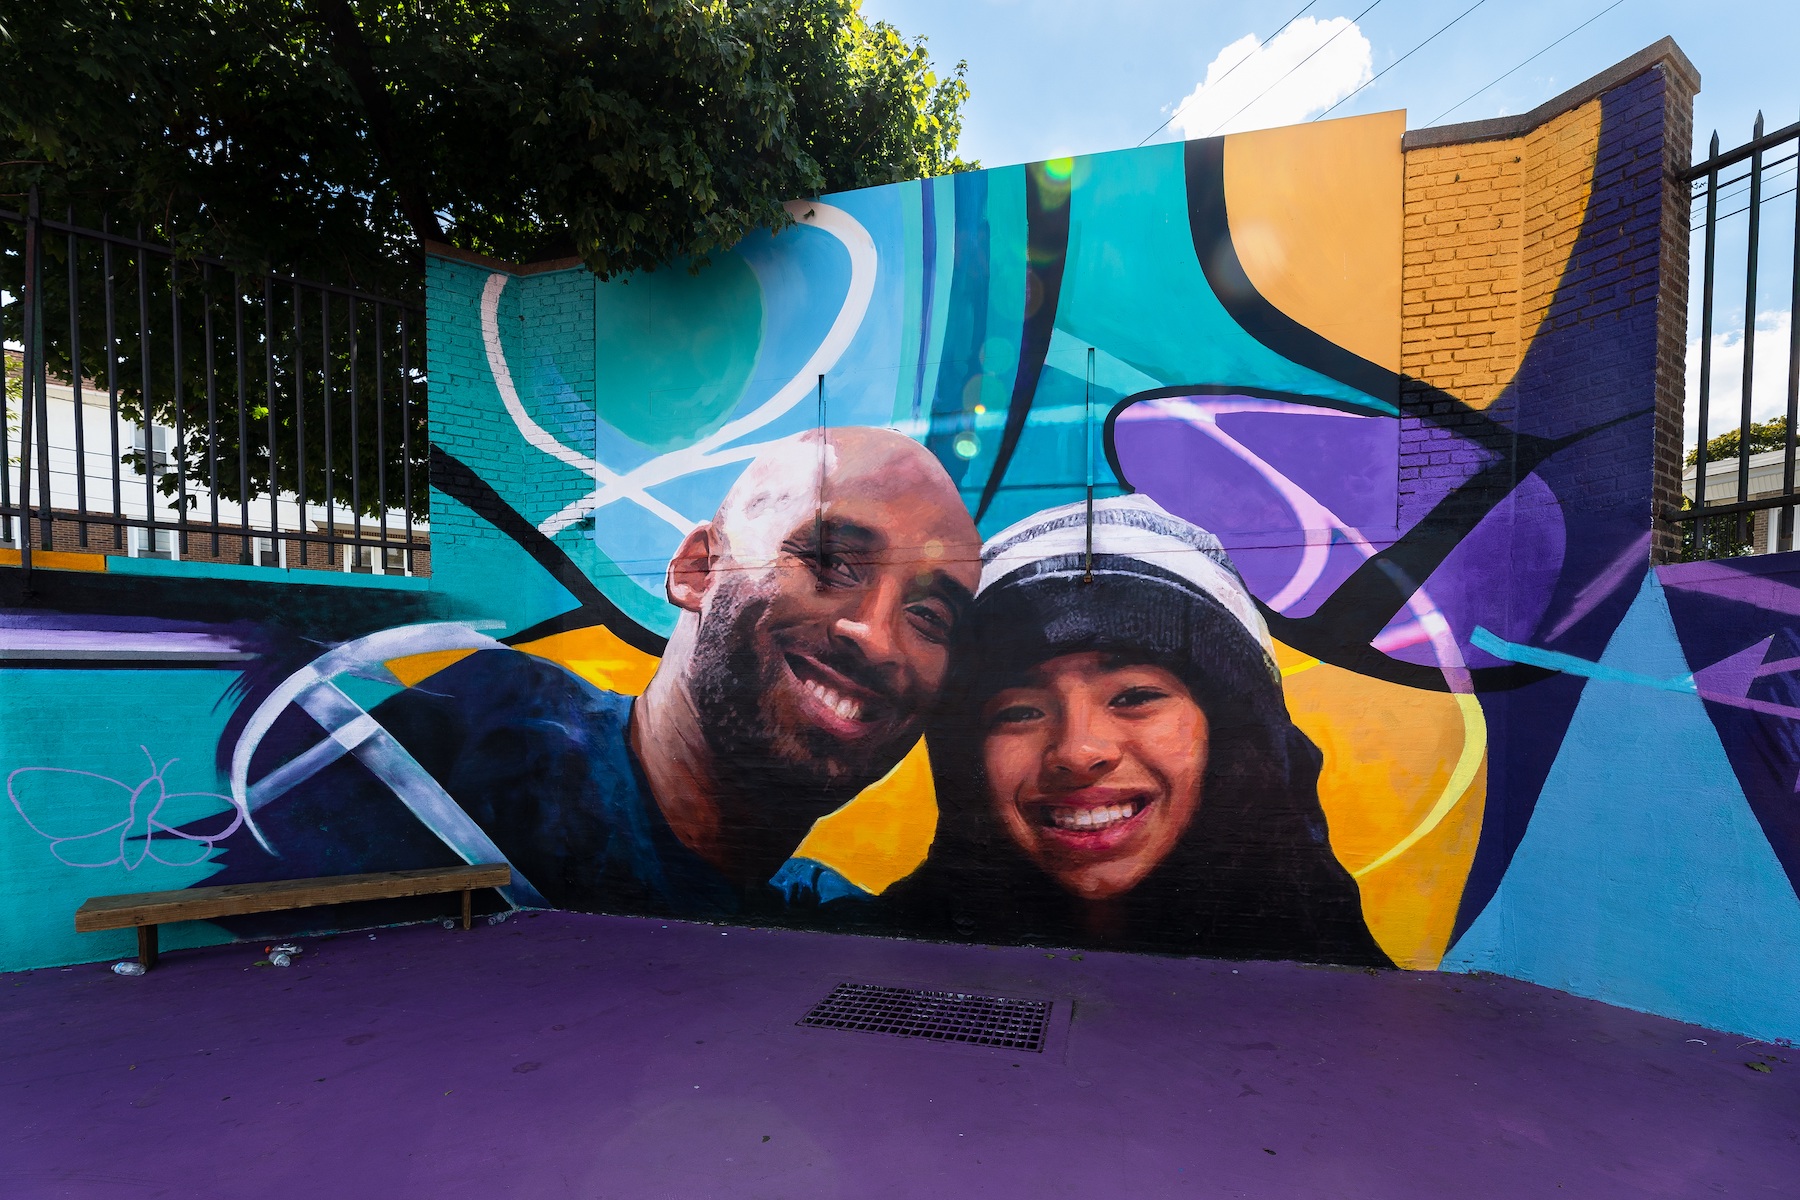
pixel 1160 586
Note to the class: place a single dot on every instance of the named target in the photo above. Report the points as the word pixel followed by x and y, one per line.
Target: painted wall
pixel 1364 661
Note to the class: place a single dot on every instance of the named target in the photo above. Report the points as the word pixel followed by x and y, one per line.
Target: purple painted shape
pixel 1500 576
pixel 1731 677
pixel 571 1056
pixel 1348 464
pixel 1345 463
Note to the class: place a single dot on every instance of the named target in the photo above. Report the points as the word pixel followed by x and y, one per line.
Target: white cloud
pixel 1242 73
pixel 1768 383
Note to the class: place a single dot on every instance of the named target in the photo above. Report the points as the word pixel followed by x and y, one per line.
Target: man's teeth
pixel 1092 820
pixel 838 703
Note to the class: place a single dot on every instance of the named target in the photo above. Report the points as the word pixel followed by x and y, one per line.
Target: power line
pixel 1351 24
pixel 1234 66
pixel 1553 45
pixel 1377 75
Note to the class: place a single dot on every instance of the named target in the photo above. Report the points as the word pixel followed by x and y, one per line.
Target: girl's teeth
pixel 1091 820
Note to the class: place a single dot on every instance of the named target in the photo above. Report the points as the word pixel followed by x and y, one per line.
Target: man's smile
pixel 834 702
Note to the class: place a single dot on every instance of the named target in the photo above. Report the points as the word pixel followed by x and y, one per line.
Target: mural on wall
pixel 1083 553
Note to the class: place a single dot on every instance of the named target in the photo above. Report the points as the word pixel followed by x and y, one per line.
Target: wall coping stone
pixel 1664 53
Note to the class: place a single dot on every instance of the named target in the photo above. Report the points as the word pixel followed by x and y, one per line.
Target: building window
pixel 162 545
pixel 267 552
pixel 375 560
pixel 160 463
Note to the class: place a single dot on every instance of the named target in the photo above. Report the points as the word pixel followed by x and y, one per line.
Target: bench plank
pixel 236 899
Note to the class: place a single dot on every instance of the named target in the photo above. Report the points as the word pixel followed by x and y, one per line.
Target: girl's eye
pixel 1016 714
pixel 1137 697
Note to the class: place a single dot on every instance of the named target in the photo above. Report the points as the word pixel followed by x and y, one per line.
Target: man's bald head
pixel 861 466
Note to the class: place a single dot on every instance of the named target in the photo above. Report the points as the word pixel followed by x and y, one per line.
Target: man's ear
pixel 690 571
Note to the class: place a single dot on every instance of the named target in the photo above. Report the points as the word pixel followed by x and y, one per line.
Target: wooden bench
pixel 147 910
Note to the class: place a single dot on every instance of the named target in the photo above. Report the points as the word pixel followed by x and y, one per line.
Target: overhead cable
pixel 1377 75
pixel 1351 24
pixel 1553 45
pixel 1221 79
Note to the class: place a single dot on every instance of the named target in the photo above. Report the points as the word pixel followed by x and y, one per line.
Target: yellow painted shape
pixel 1489 227
pixel 56 560
pixel 598 655
pixel 1404 787
pixel 417 667
pixel 883 835
pixel 595 653
pixel 1315 213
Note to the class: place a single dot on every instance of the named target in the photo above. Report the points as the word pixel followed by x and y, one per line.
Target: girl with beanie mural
pixel 1116 766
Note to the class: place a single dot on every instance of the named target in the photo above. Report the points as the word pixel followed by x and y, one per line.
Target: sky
pixel 1055 77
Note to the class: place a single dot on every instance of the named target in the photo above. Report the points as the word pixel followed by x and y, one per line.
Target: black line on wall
pixel 458 481
pixel 1046 254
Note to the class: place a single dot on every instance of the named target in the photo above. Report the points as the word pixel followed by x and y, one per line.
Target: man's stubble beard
pixel 734 671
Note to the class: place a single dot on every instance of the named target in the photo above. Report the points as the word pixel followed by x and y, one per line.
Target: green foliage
pixel 1764 435
pixel 329 138
pixel 326 136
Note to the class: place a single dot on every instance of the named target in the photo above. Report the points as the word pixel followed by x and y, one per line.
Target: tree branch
pixel 348 49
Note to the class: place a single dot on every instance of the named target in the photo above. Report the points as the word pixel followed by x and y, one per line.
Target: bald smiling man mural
pixel 817 609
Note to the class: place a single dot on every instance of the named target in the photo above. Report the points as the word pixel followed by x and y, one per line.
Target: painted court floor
pixel 573 1056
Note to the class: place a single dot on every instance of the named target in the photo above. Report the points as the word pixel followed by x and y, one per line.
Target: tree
pixel 329 138
pixel 1764 435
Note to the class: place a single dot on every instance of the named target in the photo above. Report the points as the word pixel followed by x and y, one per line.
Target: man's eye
pixel 931 622
pixel 1137 697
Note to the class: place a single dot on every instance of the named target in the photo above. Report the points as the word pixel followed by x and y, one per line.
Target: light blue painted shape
pixel 1644 880
pixel 1555 660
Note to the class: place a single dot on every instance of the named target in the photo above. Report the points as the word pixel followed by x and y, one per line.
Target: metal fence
pixel 1731 481
pixel 159 403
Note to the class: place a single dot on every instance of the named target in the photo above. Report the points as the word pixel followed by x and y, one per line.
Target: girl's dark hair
pixel 1253 876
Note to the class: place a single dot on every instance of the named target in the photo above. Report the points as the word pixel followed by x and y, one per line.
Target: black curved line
pixel 458 481
pixel 1046 253
pixel 1211 229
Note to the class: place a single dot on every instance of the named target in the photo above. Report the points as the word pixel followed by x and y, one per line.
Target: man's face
pixel 816 670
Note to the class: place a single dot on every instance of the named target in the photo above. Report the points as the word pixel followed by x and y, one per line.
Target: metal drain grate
pixel 939 1016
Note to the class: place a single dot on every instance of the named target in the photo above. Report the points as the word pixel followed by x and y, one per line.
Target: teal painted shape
pixel 97 750
pixel 1133 287
pixel 676 349
pixel 1644 879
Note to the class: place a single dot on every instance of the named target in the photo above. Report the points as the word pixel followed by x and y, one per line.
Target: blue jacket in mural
pixel 538 757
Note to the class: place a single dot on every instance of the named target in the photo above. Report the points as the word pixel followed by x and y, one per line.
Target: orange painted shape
pixel 883 835
pixel 56 560
pixel 1390 753
pixel 1315 213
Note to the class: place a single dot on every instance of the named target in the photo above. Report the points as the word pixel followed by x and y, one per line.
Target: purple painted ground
pixel 568 1056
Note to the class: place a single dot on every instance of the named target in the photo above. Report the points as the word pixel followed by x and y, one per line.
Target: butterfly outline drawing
pixel 138 835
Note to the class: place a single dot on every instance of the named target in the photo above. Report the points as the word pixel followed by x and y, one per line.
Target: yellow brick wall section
pixel 1460 267
pixel 1488 229
pixel 1559 161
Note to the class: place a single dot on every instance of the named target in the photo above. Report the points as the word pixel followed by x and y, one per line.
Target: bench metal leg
pixel 147 945
pixel 466 917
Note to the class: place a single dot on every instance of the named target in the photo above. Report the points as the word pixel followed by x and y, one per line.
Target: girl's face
pixel 1094 768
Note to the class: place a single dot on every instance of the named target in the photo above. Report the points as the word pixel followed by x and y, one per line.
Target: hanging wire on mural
pixel 1182 107
pixel 1553 45
pixel 1377 75
pixel 1351 24
pixel 819 506
pixel 1087 432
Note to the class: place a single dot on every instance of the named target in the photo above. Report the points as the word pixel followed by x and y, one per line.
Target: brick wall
pixel 1544 279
